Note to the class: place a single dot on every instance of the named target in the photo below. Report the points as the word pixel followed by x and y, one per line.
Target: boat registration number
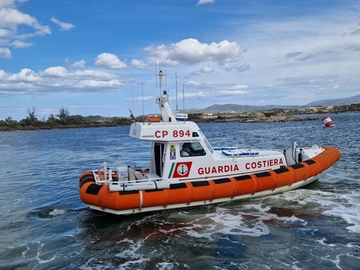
pixel 176 133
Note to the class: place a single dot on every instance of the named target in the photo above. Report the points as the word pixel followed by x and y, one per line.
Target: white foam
pixel 167 266
pixel 90 265
pixel 329 203
pixel 131 250
pixel 253 217
pixel 348 214
pixel 344 206
pixel 42 261
pixel 224 221
pixel 46 261
pixel 57 212
pixel 322 242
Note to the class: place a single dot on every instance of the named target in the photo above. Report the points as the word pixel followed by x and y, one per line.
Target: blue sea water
pixel 44 224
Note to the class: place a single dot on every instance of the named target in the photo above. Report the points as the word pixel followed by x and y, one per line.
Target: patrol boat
pixel 185 170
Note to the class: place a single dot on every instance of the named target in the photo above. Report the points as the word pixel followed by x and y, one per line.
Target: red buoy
pixel 327 121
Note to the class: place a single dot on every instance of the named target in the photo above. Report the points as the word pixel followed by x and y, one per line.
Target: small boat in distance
pixel 181 116
pixel 185 170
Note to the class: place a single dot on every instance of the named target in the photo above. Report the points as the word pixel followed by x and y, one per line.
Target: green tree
pixel 31 119
pixel 10 122
pixel 52 121
pixel 31 115
pixel 63 115
pixel 121 121
pixel 78 119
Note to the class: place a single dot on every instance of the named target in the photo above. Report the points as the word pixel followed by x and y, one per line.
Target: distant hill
pixel 246 108
pixel 99 118
pixel 335 102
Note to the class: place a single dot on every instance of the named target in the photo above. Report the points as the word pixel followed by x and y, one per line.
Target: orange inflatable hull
pixel 205 191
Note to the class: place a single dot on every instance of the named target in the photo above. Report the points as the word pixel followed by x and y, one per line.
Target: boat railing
pixel 98 180
pixel 139 184
pixel 107 177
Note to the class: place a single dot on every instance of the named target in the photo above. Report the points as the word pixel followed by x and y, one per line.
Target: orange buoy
pixel 327 121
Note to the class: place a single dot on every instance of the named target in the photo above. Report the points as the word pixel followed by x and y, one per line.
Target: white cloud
pixel 9 3
pixel 215 90
pixel 191 51
pixel 54 79
pixel 238 87
pixel 207 69
pixel 25 75
pixel 4 32
pixel 202 2
pixel 3 74
pixel 94 74
pixel 197 95
pixel 63 25
pixel 234 90
pixel 109 60
pixel 144 98
pixel 11 18
pixel 193 83
pixel 293 55
pixel 55 72
pixel 354 47
pixel 20 44
pixel 5 3
pixel 138 64
pixel 234 67
pixel 313 55
pixel 5 53
pixel 79 64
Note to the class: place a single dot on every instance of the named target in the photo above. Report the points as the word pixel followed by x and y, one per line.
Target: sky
pixel 97 57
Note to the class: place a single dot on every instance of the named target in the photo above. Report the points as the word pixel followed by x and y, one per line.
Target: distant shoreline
pixel 258 120
pixel 229 119
pixel 261 118
pixel 30 128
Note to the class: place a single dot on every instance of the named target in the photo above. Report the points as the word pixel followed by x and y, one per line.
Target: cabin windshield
pixel 208 145
pixel 191 149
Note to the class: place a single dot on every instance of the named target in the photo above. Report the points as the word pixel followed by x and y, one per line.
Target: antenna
pixel 142 101
pixel 177 107
pixel 165 73
pixel 132 94
pixel 183 98
pixel 156 74
pixel 161 74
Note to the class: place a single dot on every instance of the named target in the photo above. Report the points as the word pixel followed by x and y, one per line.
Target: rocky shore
pixel 260 118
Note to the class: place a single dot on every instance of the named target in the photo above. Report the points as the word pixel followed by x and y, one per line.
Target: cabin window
pixel 195 134
pixel 191 149
pixel 208 145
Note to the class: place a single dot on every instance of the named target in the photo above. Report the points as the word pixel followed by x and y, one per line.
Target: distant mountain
pixel 99 118
pixel 246 108
pixel 335 102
